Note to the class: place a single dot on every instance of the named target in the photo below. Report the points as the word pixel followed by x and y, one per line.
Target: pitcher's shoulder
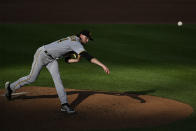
pixel 73 38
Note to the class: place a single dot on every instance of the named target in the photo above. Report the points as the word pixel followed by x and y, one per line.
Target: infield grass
pixel 145 59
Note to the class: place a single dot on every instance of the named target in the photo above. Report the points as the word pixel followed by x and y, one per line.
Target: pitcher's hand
pixel 106 70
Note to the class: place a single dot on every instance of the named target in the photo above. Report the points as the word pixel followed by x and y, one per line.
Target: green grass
pixel 156 59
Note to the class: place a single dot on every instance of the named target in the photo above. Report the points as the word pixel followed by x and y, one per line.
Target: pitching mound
pixel 37 108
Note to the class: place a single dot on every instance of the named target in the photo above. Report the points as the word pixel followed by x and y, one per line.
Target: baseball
pixel 180 23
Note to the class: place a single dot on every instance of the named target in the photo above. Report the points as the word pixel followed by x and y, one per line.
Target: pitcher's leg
pixel 54 71
pixel 35 70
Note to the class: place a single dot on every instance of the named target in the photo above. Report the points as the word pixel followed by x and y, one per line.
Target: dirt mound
pixel 37 108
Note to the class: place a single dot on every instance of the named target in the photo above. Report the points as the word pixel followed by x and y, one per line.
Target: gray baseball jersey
pixel 60 47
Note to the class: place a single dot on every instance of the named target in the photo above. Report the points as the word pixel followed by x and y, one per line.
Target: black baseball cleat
pixel 8 93
pixel 67 108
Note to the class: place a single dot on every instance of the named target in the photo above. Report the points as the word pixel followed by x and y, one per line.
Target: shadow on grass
pixel 82 95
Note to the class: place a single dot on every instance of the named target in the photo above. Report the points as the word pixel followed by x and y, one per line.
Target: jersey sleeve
pixel 86 55
pixel 77 47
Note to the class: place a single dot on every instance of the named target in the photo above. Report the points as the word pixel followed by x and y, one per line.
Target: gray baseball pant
pixel 42 59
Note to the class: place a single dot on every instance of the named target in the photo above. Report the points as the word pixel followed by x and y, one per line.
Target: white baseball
pixel 180 23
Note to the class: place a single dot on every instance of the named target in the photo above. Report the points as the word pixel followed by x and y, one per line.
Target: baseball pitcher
pixel 47 56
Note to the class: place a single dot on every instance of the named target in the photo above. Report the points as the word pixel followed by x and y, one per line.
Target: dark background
pixel 97 11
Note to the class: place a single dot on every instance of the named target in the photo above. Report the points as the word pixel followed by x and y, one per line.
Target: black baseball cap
pixel 87 33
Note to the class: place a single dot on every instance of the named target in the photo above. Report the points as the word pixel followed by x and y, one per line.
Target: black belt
pixel 48 54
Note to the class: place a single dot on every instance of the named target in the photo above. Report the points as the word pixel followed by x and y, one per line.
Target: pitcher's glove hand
pixel 70 55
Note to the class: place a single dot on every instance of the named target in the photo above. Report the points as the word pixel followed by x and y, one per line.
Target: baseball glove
pixel 70 55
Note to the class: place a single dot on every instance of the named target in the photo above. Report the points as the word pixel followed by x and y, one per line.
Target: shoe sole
pixel 7 92
pixel 72 112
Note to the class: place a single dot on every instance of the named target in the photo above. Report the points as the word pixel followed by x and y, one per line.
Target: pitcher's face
pixel 83 39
